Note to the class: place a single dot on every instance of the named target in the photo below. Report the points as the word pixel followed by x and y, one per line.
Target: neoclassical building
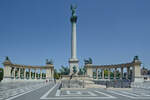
pixel 129 70
pixel 17 71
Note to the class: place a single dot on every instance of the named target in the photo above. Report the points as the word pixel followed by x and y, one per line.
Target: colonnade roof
pixel 131 64
pixel 7 62
pixel 33 66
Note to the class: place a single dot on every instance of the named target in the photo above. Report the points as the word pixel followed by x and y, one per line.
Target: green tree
pixel 64 70
pixel 82 71
pixel 56 74
pixel 1 74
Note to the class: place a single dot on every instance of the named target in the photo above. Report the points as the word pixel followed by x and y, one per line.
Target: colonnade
pixel 17 71
pixel 28 73
pixel 130 70
pixel 122 74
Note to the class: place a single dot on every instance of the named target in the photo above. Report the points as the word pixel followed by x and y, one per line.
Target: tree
pixel 56 74
pixel 64 70
pixel 1 74
pixel 82 71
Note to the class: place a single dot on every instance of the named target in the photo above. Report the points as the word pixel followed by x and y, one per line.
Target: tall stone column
pixel 73 62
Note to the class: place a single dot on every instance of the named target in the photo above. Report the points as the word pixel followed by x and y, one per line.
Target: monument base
pixel 73 63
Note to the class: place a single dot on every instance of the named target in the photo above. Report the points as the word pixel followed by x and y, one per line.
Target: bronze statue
pixel 136 58
pixel 73 8
pixel 49 62
pixel 89 61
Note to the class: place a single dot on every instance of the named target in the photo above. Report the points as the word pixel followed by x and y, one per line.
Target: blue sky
pixel 108 31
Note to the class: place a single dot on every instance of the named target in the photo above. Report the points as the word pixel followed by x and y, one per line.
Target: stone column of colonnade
pixel 109 70
pixel 121 74
pixel 115 73
pixel 18 73
pixel 24 75
pixel 103 74
pixel 14 72
pixel 34 73
pixel 30 72
pixel 96 73
pixel 127 73
pixel 40 73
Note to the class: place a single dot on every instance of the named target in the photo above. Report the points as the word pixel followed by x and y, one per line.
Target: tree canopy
pixel 64 70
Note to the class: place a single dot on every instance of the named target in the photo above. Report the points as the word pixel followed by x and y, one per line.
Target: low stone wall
pixel 74 83
pixel 114 83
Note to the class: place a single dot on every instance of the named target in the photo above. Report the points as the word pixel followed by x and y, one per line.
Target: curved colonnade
pixel 130 70
pixel 18 71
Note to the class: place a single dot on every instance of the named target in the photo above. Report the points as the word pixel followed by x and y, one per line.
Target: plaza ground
pixel 51 91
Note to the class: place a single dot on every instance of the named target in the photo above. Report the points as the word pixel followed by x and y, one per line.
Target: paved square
pixel 78 94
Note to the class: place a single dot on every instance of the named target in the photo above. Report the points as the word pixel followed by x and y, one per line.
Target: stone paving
pixel 14 88
pixel 97 93
pixel 49 91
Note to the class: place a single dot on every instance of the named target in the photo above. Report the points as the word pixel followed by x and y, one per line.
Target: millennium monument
pixel 73 61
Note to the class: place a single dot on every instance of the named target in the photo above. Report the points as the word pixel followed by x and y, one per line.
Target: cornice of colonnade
pixel 130 64
pixel 31 66
pixel 7 62
pixel 135 62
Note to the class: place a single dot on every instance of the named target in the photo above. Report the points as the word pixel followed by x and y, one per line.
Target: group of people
pixel 51 80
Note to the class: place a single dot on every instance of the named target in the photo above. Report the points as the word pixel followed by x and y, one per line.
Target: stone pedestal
pixel 73 63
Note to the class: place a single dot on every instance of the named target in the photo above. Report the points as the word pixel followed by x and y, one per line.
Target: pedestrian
pixel 55 80
pixel 106 84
